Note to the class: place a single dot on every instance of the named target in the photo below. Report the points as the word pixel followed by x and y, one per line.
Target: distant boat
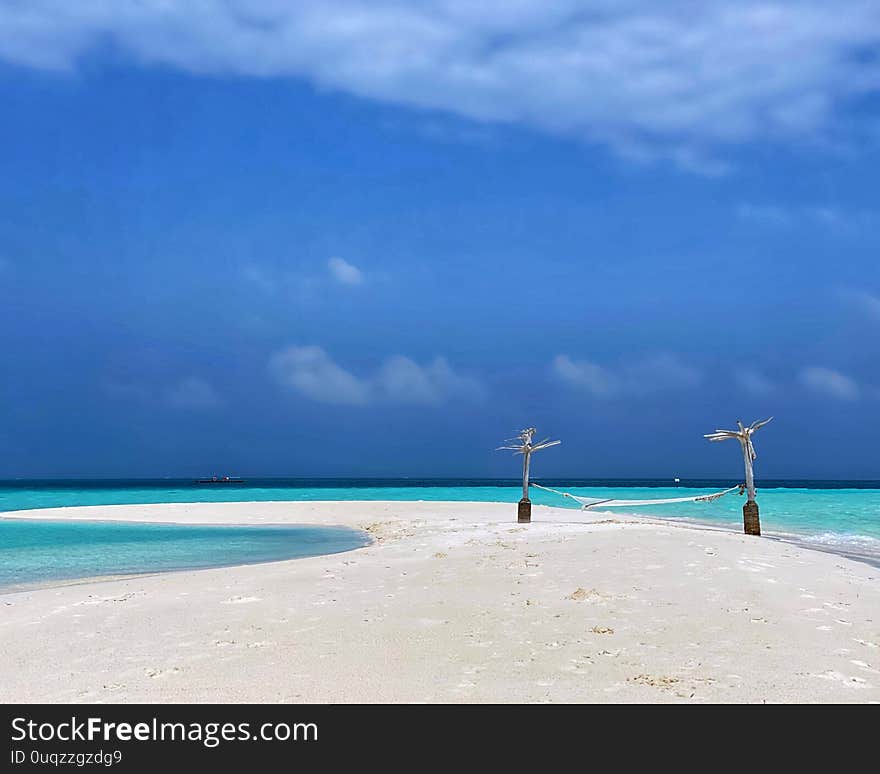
pixel 220 480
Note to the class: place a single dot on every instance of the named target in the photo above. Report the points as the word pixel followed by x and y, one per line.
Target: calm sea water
pixel 37 552
pixel 842 516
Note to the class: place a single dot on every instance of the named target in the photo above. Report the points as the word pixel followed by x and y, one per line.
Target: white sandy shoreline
pixel 184 517
pixel 455 602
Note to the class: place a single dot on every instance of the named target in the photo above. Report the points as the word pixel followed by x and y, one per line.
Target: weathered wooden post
pixel 522 444
pixel 751 522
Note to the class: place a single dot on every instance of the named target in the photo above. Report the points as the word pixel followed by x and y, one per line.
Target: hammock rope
pixel 587 503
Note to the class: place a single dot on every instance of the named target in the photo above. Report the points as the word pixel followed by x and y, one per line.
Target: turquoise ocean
pixel 838 516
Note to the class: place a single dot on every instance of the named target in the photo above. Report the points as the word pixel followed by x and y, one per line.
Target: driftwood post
pixel 522 444
pixel 751 522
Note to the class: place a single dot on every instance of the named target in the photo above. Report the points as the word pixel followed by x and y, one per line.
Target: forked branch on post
pixel 523 444
pixel 743 434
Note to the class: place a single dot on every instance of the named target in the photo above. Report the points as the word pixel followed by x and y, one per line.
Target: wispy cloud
pixel 192 393
pixel 261 277
pixel 306 281
pixel 767 214
pixel 678 79
pixel 641 376
pixel 827 381
pixel 189 393
pixel 835 218
pixel 827 216
pixel 311 372
pixel 754 382
pixel 344 272
pixel 403 380
pixel 586 375
pixel 866 303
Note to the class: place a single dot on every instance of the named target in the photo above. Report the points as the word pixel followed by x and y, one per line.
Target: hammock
pixel 587 502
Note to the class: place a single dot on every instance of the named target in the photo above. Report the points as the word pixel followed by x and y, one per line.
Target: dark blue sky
pixel 206 269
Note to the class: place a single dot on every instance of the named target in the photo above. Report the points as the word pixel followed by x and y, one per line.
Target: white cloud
pixel 303 282
pixel 345 272
pixel 192 393
pixel 754 382
pixel 402 380
pixel 829 382
pixel 642 376
pixel 311 372
pixel 681 79
pixel 587 375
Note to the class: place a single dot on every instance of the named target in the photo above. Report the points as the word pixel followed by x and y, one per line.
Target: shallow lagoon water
pixel 48 552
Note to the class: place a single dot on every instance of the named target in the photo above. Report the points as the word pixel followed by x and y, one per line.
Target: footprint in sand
pixel 753 566
pixel 838 677
pixel 101 600
pixel 156 673
pixel 866 667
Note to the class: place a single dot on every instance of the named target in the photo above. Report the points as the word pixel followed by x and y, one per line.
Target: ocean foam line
pixel 865 548
pixel 844 538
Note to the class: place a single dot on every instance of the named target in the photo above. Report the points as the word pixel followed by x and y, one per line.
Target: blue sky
pixel 377 238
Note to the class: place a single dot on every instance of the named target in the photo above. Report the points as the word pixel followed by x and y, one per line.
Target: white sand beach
pixel 456 602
